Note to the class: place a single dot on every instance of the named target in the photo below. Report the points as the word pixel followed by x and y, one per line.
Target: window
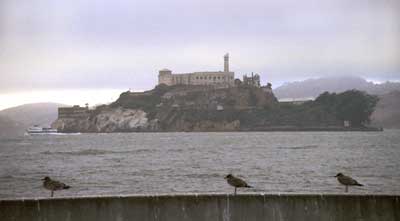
pixel 219 78
pixel 197 77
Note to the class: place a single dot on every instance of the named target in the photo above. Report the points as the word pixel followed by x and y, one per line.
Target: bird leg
pixel 347 189
pixel 235 190
pixel 52 193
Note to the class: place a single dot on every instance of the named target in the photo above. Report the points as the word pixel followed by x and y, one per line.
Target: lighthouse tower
pixel 226 62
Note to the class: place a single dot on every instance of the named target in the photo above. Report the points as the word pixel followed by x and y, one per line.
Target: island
pixel 216 101
pixel 206 108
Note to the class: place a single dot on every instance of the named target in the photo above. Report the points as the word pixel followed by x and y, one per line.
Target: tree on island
pixel 353 105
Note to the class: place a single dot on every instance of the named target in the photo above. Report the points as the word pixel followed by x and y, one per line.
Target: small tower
pixel 226 62
pixel 165 76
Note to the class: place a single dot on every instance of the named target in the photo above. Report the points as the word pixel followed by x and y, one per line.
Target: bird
pixel 347 181
pixel 236 182
pixel 53 185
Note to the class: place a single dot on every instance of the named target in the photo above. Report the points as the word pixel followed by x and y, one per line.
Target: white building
pixel 219 78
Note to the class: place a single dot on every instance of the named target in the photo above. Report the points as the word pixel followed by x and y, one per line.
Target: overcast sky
pixel 54 44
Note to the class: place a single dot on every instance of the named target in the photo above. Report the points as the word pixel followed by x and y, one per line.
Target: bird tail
pixel 247 186
pixel 66 187
pixel 359 184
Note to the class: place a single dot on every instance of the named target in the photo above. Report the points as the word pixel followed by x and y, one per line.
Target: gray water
pixel 151 163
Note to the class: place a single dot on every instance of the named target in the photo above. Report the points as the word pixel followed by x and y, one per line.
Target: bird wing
pixel 239 182
pixel 58 185
pixel 346 180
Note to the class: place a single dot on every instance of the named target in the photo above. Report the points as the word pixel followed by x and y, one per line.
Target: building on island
pixel 217 78
pixel 267 88
pixel 253 80
pixel 75 111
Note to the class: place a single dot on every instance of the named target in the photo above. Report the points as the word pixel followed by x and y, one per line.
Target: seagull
pixel 347 181
pixel 53 185
pixel 236 182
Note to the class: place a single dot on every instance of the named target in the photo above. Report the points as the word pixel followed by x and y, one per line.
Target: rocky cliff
pixel 108 120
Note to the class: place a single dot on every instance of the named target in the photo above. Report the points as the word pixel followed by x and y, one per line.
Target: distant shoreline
pixel 332 129
pixel 269 129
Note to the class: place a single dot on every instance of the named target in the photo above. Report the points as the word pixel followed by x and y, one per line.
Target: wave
pixel 300 147
pixel 23 144
pixel 78 153
pixel 6 176
pixel 94 152
pixel 205 175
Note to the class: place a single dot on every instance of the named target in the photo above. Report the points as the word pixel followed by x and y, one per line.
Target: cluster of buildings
pixel 252 80
pixel 219 79
pixel 75 111
pixel 225 78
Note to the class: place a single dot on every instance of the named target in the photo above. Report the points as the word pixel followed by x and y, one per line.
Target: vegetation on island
pixel 329 109
pixel 353 105
pixel 184 108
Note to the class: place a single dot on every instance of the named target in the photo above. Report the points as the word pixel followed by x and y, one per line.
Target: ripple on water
pixel 95 152
pixel 299 147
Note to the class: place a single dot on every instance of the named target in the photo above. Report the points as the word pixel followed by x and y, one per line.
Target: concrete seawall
pixel 206 207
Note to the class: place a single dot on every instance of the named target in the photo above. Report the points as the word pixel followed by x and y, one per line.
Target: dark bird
pixel 347 181
pixel 53 185
pixel 236 182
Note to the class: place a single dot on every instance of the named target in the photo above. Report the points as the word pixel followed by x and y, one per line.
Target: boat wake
pixel 56 134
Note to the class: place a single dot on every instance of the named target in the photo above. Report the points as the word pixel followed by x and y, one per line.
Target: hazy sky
pixel 54 44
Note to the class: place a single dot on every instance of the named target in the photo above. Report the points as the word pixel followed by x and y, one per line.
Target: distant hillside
pixel 27 115
pixel 387 111
pixel 9 127
pixel 314 87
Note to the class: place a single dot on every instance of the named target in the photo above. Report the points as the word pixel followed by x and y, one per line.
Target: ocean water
pixel 152 163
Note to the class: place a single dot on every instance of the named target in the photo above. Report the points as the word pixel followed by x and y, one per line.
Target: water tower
pixel 226 62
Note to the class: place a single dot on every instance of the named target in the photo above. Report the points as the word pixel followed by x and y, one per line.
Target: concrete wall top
pixel 196 207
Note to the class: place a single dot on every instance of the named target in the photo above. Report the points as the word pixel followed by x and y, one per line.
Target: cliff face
pixel 175 108
pixel 69 125
pixel 108 120
pixel 119 120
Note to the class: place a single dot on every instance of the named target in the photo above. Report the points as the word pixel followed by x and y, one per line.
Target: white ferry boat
pixel 40 130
